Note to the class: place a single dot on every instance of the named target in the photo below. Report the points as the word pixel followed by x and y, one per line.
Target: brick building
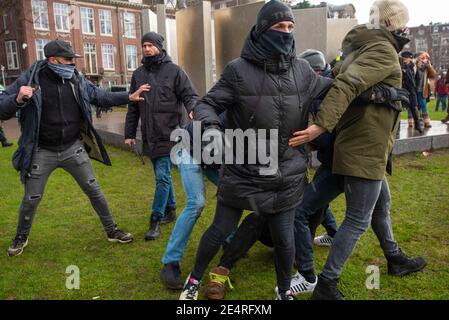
pixel 435 40
pixel 106 33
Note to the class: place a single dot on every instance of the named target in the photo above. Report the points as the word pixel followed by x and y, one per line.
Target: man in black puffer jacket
pixel 172 95
pixel 266 88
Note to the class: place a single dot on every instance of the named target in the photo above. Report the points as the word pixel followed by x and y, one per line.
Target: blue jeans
pixel 422 102
pixel 367 202
pixel 329 223
pixel 164 194
pixel 193 183
pixel 323 189
pixel 441 99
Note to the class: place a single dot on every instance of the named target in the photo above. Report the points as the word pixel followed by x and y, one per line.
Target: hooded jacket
pixel 259 91
pixel 364 135
pixel 162 111
pixel 85 92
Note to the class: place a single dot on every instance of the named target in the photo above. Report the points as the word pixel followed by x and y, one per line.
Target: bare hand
pixel 130 142
pixel 303 137
pixel 191 115
pixel 135 97
pixel 24 92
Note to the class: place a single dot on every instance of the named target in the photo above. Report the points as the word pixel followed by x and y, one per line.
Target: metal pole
pixel 3 76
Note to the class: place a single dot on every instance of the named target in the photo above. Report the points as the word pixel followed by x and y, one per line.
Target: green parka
pixel 364 135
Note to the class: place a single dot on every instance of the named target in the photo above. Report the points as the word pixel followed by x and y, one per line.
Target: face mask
pixel 401 37
pixel 277 42
pixel 65 71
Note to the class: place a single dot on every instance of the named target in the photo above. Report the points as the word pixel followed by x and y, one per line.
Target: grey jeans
pixel 367 202
pixel 75 161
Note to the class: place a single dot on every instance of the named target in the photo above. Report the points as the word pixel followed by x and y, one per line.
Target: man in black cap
pixel 162 112
pixel 57 132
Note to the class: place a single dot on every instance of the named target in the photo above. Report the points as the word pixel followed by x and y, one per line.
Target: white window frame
pixel 128 56
pixel 40 44
pixel 105 21
pixel 62 12
pixel 86 17
pixel 90 49
pixel 12 57
pixel 39 10
pixel 5 23
pixel 129 24
pixel 107 55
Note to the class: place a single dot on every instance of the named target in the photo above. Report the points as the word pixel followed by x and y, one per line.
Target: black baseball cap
pixel 59 48
pixel 407 54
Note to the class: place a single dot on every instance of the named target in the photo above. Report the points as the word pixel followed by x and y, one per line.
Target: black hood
pixel 254 53
pixel 150 62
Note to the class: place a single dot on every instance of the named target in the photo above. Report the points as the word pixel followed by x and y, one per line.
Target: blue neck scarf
pixel 65 71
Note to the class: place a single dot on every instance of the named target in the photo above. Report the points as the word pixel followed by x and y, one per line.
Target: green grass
pixel 66 232
pixel 434 116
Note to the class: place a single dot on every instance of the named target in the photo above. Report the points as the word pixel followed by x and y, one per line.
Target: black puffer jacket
pixel 162 111
pixel 262 92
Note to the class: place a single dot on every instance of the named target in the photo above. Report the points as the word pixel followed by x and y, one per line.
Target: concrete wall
pixel 232 26
pixel 336 31
pixel 149 21
pixel 311 29
pixel 194 41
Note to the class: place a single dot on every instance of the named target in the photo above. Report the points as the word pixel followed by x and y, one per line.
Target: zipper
pixel 61 113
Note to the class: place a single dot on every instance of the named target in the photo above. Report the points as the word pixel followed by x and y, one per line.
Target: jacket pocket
pixel 164 124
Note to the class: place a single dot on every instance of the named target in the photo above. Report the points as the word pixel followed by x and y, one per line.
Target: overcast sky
pixel 421 12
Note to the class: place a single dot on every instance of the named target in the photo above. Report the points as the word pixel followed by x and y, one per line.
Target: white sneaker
pixel 299 285
pixel 190 291
pixel 324 240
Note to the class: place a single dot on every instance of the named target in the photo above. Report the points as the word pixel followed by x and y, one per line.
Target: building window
pixel 131 57
pixel 108 84
pixel 444 41
pixel 87 20
pixel 5 23
pixel 105 23
pixel 436 29
pixel 130 25
pixel 40 44
pixel 107 51
pixel 436 42
pixel 90 58
pixel 40 14
pixel 61 11
pixel 12 57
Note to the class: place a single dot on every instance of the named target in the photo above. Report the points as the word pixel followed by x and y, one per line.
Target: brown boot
pixel 411 123
pixel 216 288
pixel 427 123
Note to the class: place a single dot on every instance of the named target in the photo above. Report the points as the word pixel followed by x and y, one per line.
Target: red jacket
pixel 442 87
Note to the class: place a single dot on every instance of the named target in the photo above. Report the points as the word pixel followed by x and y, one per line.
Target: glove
pixel 388 97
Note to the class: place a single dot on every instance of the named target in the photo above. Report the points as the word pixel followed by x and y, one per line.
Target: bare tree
pixel 12 6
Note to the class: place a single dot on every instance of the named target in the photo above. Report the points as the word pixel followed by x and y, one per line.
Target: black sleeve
pixel 220 98
pixel 185 91
pixel 133 114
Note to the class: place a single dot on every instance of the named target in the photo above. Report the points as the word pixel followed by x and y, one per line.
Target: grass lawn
pixel 67 232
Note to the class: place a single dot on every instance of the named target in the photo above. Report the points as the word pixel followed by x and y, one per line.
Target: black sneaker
pixel 154 232
pixel 6 144
pixel 401 265
pixel 288 296
pixel 120 236
pixel 18 244
pixel 169 216
pixel 445 120
pixel 190 290
pixel 326 290
pixel 171 276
